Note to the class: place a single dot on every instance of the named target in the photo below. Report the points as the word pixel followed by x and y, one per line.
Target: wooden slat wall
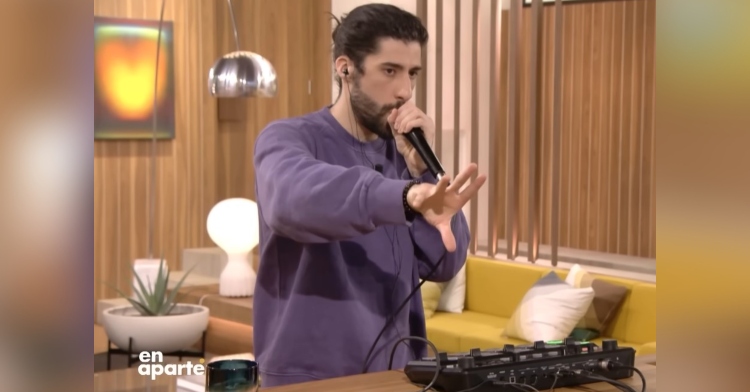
pixel 608 195
pixel 209 159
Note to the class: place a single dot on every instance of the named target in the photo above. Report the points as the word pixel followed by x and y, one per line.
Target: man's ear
pixel 343 67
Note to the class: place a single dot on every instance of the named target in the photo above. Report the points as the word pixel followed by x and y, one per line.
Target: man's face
pixel 386 83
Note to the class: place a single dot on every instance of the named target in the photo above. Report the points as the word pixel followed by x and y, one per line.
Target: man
pixel 351 219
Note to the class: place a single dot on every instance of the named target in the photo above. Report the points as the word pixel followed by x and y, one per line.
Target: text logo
pixel 153 366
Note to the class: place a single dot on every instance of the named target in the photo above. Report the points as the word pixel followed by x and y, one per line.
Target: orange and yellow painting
pixel 124 71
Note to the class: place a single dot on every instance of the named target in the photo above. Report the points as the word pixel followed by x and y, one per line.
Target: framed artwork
pixel 124 70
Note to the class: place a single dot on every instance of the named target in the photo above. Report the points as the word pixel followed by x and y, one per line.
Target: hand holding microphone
pixel 417 140
pixel 414 132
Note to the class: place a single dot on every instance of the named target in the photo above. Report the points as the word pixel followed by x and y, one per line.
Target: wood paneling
pixel 295 36
pixel 185 167
pixel 607 195
pixel 209 159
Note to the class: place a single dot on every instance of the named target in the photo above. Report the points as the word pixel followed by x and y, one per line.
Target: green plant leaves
pixel 156 301
pixel 173 294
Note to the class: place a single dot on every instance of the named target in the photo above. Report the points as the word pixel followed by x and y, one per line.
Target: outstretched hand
pixel 439 202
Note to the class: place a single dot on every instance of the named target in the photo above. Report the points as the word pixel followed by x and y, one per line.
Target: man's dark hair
pixel 358 33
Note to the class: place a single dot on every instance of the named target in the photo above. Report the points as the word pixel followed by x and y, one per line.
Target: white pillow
pixel 550 310
pixel 453 294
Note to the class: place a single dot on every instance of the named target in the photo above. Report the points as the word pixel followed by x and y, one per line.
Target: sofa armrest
pixel 646 349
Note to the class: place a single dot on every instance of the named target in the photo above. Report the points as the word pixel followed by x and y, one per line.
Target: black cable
pixel 421 339
pixel 643 379
pixel 620 385
pixel 411 294
pixel 434 349
pixel 397 265
pixel 398 274
pixel 393 316
pixel 552 388
pixel 592 376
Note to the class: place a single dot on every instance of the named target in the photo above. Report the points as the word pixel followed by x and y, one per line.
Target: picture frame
pixel 124 70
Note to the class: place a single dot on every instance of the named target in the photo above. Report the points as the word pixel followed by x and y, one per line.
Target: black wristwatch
pixel 408 211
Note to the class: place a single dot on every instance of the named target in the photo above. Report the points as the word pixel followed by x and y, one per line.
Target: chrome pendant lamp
pixel 241 73
pixel 238 74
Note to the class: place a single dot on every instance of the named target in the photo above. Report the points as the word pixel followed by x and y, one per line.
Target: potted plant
pixel 153 319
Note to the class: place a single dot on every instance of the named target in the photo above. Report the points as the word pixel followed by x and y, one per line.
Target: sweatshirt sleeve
pixel 311 201
pixel 429 248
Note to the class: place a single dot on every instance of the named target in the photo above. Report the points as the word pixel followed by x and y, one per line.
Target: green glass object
pixel 232 375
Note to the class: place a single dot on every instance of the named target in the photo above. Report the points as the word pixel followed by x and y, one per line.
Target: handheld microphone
pixel 417 139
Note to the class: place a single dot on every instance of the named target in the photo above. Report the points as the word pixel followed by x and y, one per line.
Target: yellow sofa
pixel 495 288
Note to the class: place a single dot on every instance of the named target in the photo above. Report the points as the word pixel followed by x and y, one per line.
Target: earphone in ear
pixel 346 71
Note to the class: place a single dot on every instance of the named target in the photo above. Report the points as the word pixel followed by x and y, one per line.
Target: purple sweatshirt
pixel 337 255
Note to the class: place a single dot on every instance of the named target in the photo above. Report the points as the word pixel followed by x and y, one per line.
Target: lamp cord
pixel 152 195
pixel 234 25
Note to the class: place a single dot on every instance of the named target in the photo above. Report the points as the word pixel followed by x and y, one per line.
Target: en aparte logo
pixel 153 366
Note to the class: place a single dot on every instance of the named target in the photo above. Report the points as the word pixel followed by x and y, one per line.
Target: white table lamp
pixel 232 225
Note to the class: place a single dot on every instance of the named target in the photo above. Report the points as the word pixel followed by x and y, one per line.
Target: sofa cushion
pixel 497 287
pixel 445 330
pixel 453 293
pixel 641 320
pixel 617 328
pixel 430 298
pixel 444 339
pixel 549 310
pixel 646 349
pixel 608 297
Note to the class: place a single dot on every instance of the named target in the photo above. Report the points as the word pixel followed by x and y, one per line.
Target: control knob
pixel 609 345
pixel 466 362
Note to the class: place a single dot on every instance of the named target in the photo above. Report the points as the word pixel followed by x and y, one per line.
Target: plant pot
pixel 177 331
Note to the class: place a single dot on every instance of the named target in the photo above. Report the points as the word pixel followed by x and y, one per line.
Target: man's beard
pixel 368 114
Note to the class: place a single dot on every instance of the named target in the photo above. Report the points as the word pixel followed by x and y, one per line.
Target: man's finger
pixel 411 124
pixel 462 177
pixel 392 117
pixel 403 121
pixel 473 188
pixel 448 239
pixel 442 184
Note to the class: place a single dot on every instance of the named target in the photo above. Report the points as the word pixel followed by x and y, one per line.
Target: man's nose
pixel 403 94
